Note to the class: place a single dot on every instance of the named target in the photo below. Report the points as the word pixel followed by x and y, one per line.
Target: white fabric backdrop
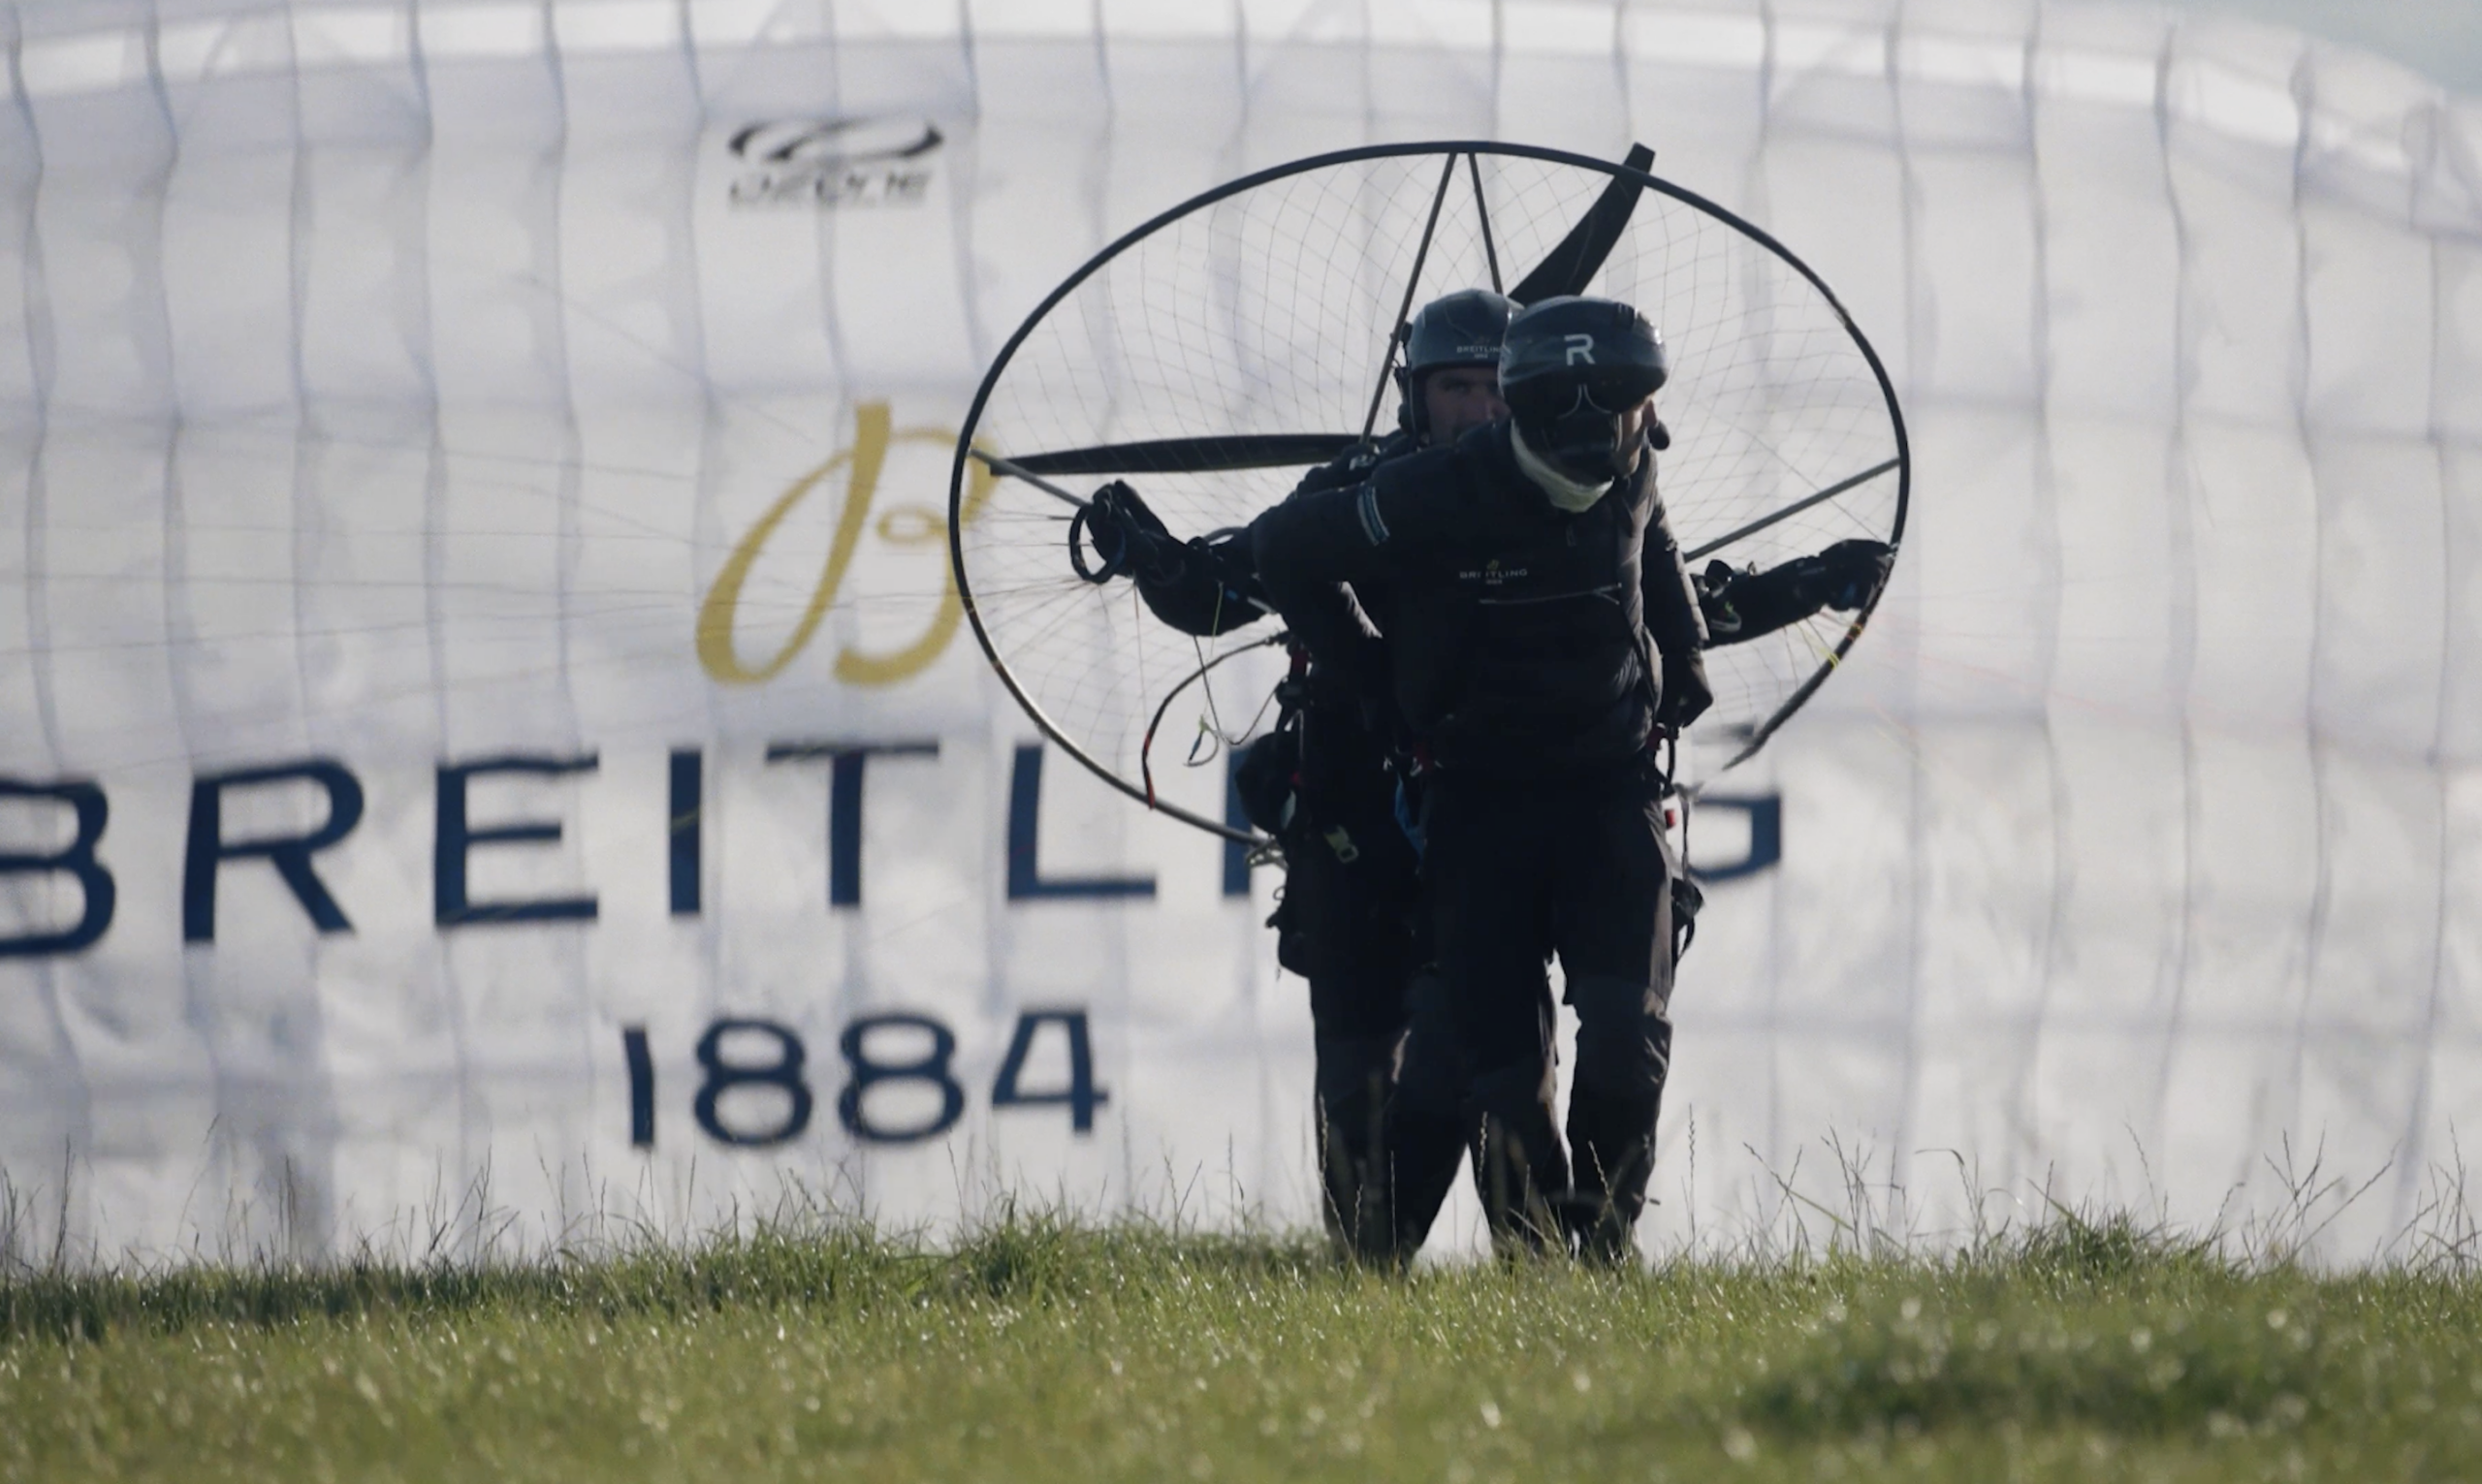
pixel 399 387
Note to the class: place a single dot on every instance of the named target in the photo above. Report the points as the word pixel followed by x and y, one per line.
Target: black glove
pixel 1686 694
pixel 1716 600
pixel 1741 603
pixel 1126 537
pixel 1848 572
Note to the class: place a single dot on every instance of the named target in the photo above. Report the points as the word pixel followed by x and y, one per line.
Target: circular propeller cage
pixel 1211 356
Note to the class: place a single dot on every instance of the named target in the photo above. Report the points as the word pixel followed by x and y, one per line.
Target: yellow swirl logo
pixel 899 525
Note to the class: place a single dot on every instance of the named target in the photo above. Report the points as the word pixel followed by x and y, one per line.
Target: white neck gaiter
pixel 1563 491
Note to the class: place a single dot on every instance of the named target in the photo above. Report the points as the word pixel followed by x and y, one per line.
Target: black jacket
pixel 1209 589
pixel 1521 637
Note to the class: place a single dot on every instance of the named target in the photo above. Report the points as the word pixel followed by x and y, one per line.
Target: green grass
pixel 1036 1349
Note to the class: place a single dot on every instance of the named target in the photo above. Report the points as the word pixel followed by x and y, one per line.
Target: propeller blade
pixel 1576 257
pixel 1193 455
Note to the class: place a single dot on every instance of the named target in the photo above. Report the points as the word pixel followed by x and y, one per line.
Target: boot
pixel 1613 1139
pixel 1424 1148
pixel 1624 1056
pixel 1522 1169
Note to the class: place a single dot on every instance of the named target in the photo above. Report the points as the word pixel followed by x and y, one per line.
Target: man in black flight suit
pixel 1349 920
pixel 1544 633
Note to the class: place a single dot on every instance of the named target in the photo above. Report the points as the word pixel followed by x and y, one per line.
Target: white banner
pixel 487 735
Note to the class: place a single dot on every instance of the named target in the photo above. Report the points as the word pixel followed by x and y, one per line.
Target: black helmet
pixel 1569 368
pixel 1460 328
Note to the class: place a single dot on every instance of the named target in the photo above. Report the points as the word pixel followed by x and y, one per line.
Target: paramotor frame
pixel 1570 266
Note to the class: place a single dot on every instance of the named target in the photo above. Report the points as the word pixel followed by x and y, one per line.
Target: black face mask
pixel 1581 441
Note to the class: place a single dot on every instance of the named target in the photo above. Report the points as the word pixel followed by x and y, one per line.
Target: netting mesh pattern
pixel 1271 311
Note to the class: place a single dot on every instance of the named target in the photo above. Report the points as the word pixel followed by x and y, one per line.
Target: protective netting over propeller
pixel 1221 334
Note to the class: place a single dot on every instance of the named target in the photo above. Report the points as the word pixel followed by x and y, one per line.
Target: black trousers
pixel 1350 925
pixel 1520 871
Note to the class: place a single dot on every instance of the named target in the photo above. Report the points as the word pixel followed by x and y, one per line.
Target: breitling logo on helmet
pixel 832 162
